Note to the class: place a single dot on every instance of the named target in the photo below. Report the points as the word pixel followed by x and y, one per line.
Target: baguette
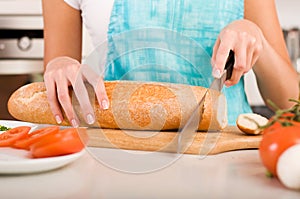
pixel 133 105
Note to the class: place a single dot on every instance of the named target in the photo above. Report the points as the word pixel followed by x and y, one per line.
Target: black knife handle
pixel 229 64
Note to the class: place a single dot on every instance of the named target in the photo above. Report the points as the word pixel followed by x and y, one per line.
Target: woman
pixel 250 28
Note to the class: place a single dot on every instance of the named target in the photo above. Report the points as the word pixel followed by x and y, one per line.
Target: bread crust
pixel 248 123
pixel 133 105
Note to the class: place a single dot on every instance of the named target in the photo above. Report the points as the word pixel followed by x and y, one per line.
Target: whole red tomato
pixel 275 141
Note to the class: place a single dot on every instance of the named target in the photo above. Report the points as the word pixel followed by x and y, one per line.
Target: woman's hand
pixel 246 40
pixel 63 72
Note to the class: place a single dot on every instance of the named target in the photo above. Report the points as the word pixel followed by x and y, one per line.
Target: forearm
pixel 276 77
pixel 62 30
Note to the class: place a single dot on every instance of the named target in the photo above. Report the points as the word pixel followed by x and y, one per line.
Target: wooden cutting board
pixel 202 143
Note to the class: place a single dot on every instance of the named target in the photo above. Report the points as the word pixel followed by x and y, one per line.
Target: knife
pixel 187 133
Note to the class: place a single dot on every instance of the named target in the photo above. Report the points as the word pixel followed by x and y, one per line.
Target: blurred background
pixel 21 47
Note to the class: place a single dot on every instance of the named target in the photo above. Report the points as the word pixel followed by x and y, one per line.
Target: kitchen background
pixel 21 47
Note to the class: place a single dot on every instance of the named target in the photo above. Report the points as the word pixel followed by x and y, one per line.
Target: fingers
pixel 83 99
pixel 64 72
pixel 58 96
pixel 65 101
pixel 221 51
pixel 240 65
pixel 98 85
pixel 246 42
pixel 52 99
pixel 215 50
pixel 101 94
pixel 235 77
pixel 57 77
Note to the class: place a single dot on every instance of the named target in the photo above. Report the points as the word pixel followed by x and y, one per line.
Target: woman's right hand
pixel 63 72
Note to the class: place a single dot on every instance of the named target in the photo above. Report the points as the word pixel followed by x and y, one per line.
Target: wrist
pixel 62 58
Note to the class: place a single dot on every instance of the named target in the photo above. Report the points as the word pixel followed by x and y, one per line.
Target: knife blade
pixel 187 133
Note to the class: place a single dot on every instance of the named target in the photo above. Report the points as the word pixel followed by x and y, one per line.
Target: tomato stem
pixel 285 117
pixel 273 105
pixel 269 174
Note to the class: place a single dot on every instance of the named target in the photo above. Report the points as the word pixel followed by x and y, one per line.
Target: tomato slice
pixel 8 138
pixel 34 137
pixel 64 142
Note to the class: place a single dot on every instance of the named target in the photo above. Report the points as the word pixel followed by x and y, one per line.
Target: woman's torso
pixel 191 25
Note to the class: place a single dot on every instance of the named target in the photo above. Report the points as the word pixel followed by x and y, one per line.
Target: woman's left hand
pixel 246 40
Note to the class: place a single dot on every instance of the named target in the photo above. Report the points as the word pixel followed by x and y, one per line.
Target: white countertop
pixel 237 174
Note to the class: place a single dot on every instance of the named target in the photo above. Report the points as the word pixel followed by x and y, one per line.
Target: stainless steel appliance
pixel 21 46
pixel 292 39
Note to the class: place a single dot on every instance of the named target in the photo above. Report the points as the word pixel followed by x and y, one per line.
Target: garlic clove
pixel 288 167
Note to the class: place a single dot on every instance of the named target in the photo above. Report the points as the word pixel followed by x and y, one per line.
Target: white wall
pixel 289 13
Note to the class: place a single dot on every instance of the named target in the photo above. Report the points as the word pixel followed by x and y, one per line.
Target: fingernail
pixel 216 73
pixel 90 119
pixel 104 104
pixel 74 123
pixel 58 119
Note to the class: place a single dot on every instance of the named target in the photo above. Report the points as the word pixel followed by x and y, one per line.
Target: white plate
pixel 16 161
pixel 13 123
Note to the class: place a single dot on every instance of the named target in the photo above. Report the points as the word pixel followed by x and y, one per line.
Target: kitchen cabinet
pixel 21 46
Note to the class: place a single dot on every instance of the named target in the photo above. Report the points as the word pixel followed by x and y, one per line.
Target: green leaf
pixel 4 128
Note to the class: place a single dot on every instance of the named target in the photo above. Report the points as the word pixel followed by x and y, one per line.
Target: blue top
pixel 171 41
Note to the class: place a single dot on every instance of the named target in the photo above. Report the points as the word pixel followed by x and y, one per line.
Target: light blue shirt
pixel 171 41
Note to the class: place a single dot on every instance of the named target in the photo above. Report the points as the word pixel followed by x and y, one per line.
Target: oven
pixel 21 47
